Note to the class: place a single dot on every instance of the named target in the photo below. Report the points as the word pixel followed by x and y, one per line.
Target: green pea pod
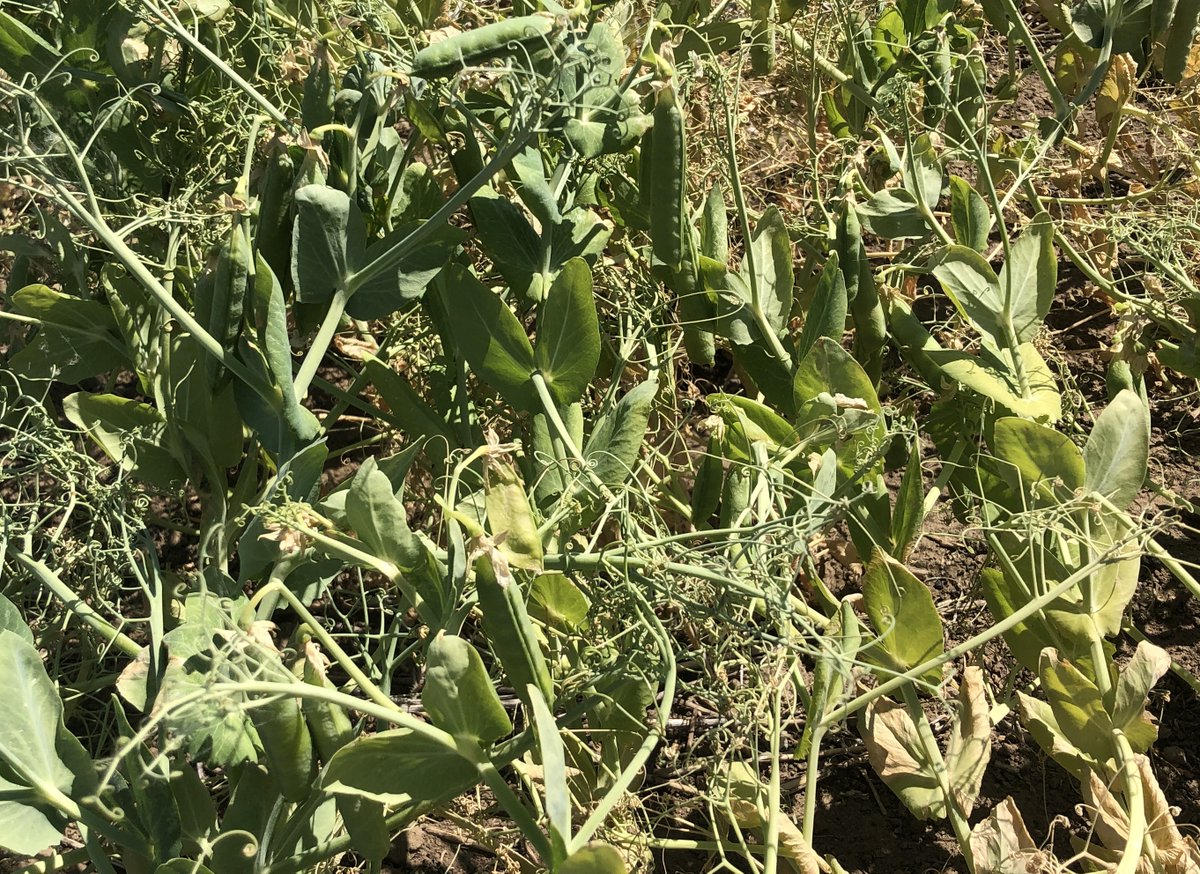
pixel 706 490
pixel 696 310
pixel 735 495
pixel 668 179
pixel 287 744
pixel 509 628
pixel 273 227
pixel 870 327
pixel 483 43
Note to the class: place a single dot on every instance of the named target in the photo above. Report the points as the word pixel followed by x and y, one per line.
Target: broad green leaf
pixel 26 829
pixel 826 316
pixel 489 336
pixel 751 422
pixel 907 623
pixel 593 859
pixel 1137 678
pixel 1028 278
pixel 893 214
pixel 34 746
pixel 972 285
pixel 616 441
pixel 78 338
pixel 568 340
pixel 509 516
pixel 458 694
pixel 245 816
pixel 969 215
pixel 328 242
pixel 773 266
pixel 400 768
pixel 922 172
pixel 1026 639
pixel 554 771
pixel 405 280
pixel 1118 450
pixel 1038 452
pixel 129 432
pixel 909 512
pixel 970 745
pixel 900 759
pixel 557 602
pixel 1077 706
pixel 12 620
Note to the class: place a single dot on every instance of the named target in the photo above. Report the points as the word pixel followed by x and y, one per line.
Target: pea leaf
pixel 1118 450
pixel 594 859
pixel 773 268
pixel 902 611
pixel 558 602
pixel 489 336
pixel 400 768
pixel 12 620
pixel 1038 452
pixel 568 342
pixel 1028 278
pixel 893 214
pixel 900 759
pixel 129 432
pixel 972 285
pixel 969 215
pixel 328 242
pixel 826 316
pixel 458 693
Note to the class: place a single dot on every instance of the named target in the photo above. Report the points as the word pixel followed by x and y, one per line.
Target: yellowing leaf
pixel 899 759
pixel 970 744
pixel 1001 844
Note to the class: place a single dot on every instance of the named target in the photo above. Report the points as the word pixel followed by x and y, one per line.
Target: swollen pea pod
pixel 331 729
pixel 706 489
pixel 870 326
pixel 509 628
pixel 447 57
pixel 287 744
pixel 668 179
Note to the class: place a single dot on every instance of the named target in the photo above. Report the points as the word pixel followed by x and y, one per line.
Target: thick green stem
pixel 320 345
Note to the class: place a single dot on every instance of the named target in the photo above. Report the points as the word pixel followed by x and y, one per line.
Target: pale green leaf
pixel 907 623
pixel 1118 450
pixel 568 341
pixel 458 695
pixel 1028 278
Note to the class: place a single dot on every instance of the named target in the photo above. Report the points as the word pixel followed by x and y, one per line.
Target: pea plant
pixel 428 416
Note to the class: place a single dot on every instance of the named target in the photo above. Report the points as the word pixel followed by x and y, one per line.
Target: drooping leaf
pixel 489 336
pixel 1077 706
pixel 510 518
pixel 568 341
pixel 12 620
pixel 893 214
pixel 899 758
pixel 407 277
pixel 459 695
pixel 970 745
pixel 1001 844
